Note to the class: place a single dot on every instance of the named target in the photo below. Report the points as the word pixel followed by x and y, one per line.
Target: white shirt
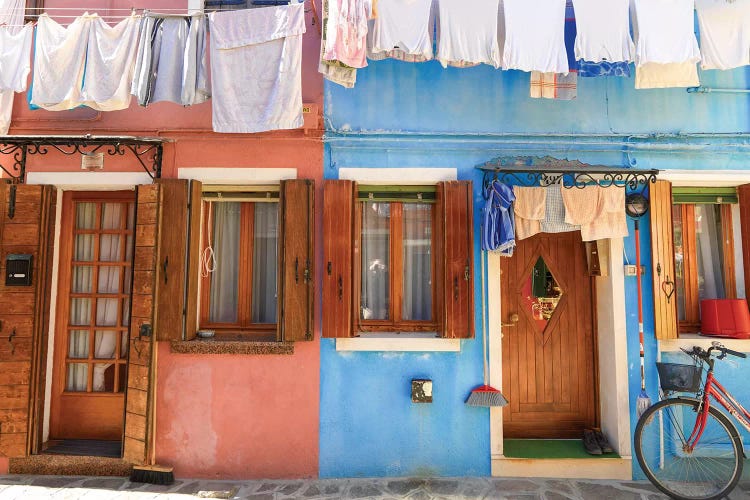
pixel 402 25
pixel 468 34
pixel 664 32
pixel 535 36
pixel 725 33
pixel 603 31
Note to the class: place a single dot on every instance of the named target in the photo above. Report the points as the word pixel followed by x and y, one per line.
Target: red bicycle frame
pixel 713 388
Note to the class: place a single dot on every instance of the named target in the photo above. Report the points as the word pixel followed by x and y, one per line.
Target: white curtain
pixel 226 246
pixel 265 256
pixel 376 220
pixel 417 296
pixel 710 256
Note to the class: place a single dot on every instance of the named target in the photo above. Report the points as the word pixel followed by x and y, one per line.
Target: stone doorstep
pixel 69 465
pixel 568 468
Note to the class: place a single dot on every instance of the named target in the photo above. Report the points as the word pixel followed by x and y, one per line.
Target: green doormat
pixel 548 448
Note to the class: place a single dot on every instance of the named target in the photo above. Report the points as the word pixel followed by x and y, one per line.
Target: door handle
pixel 513 318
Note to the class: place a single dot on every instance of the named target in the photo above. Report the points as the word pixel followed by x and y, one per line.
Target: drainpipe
pixel 709 90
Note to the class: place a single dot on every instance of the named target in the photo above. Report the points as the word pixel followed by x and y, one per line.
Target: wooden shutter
pixel 743 193
pixel 456 268
pixel 146 290
pixel 179 258
pixel 24 315
pixel 338 238
pixel 296 226
pixel 662 260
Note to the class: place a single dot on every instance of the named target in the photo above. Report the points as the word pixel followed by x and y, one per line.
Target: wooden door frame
pixel 62 312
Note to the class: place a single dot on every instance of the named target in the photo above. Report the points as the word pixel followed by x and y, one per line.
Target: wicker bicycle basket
pixel 679 377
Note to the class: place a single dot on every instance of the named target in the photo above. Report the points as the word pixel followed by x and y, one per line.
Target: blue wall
pixel 421 115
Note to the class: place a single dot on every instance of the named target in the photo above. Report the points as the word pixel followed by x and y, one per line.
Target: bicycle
pixel 686 447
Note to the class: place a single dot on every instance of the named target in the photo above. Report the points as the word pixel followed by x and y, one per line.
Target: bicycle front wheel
pixel 709 471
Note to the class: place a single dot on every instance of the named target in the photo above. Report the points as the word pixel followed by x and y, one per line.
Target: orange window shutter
pixel 338 257
pixel 296 273
pixel 457 273
pixel 743 195
pixel 662 261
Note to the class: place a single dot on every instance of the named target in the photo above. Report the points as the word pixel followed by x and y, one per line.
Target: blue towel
pixel 588 69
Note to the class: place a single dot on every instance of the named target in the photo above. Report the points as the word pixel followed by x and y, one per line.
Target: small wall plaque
pixel 18 269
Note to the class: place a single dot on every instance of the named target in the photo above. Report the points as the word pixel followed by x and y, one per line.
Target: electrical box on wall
pixel 421 391
pixel 18 269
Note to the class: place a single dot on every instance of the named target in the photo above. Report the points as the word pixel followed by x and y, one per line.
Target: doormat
pixel 548 448
pixel 86 447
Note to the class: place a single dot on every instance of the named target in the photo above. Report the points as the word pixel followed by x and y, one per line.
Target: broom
pixel 485 395
pixel 643 401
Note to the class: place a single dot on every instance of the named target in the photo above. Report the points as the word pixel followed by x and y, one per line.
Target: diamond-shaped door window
pixel 541 293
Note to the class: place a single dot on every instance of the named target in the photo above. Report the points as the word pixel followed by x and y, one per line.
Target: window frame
pixel 247 196
pixel 396 264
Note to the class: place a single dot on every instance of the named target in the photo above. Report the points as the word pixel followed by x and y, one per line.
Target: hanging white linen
pixel 468 36
pixel 664 32
pixel 659 76
pixel 15 64
pixel 110 58
pixel 603 31
pixel 534 36
pixel 725 33
pixel 346 30
pixel 402 30
pixel 256 70
pixel 12 14
pixel 172 61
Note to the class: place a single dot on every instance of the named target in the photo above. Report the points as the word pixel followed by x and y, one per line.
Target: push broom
pixel 485 395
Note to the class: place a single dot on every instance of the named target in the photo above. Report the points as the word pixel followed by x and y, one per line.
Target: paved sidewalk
pixel 92 488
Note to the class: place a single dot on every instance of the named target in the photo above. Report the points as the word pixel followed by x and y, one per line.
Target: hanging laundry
pixel 346 30
pixel 172 60
pixel 468 36
pixel 725 33
pixel 110 58
pixel 554 215
pixel 588 69
pixel 563 86
pixel 664 35
pixel 498 224
pixel 15 65
pixel 12 14
pixel 598 210
pixel 603 31
pixel 88 63
pixel 535 36
pixel 402 30
pixel 529 209
pixel 256 69
pixel 331 69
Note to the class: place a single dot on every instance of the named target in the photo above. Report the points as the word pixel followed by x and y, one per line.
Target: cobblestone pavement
pixel 91 488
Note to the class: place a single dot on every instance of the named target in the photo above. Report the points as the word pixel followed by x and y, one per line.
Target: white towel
pixel 664 32
pixel 725 33
pixel 15 64
pixel 468 35
pixel 535 36
pixel 110 57
pixel 659 76
pixel 603 31
pixel 402 30
pixel 256 68
pixel 59 59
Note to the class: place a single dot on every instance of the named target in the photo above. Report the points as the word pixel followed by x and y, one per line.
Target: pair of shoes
pixel 602 440
pixel 590 443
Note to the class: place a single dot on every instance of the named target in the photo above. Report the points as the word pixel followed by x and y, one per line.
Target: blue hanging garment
pixel 498 224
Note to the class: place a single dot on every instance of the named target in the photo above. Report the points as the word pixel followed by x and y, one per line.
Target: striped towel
pixel 557 85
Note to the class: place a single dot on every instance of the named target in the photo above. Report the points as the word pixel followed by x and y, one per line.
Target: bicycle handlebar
pixel 705 354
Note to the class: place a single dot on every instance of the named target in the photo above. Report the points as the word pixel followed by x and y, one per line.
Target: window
pixel 398 259
pixel 240 266
pixel 704 254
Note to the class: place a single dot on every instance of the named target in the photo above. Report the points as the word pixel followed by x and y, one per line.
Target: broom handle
pixel 640 300
pixel 484 317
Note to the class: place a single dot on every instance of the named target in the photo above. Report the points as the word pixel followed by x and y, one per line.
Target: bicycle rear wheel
pixel 710 471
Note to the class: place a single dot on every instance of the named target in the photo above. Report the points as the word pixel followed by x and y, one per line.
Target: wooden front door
pixel 93 312
pixel 548 338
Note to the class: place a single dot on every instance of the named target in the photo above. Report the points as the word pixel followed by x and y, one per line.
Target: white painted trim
pixel 388 176
pixel 89 181
pixel 214 175
pixel 707 178
pixel 52 317
pixel 613 380
pixel 409 342
pixel 739 264
pixel 688 340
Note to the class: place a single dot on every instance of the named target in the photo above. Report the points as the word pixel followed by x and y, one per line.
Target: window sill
pixel 213 346
pixel 688 340
pixel 408 342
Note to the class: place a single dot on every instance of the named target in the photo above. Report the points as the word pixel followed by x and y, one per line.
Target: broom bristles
pixel 152 474
pixel 642 403
pixel 486 396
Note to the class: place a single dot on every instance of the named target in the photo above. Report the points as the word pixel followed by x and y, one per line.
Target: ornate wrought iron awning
pixel 15 149
pixel 543 171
